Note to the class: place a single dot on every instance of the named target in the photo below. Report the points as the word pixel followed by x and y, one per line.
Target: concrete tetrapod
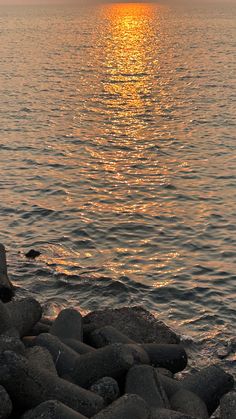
pixel 6 287
pixel 168 414
pixel 130 406
pixel 112 361
pixel 29 386
pixel 107 335
pixel 143 381
pixel 228 406
pixel 40 357
pixel 210 384
pixel 5 404
pixel 189 403
pixel 68 325
pixel 172 357
pixel 64 357
pixel 77 346
pixel 106 387
pixel 24 314
pixel 52 409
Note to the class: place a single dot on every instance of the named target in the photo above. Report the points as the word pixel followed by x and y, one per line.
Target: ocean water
pixel 118 161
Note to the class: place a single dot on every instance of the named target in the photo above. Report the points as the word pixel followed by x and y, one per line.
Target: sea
pixel 118 162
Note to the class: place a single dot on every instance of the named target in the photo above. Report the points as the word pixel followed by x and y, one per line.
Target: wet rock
pixel 24 314
pixel 107 388
pixel 107 335
pixel 32 254
pixel 6 287
pixel 170 357
pixel 228 406
pixel 68 325
pixel 130 406
pixel 5 404
pixel 210 384
pixel 29 386
pixel 143 381
pixel 112 361
pixel 189 403
pixel 135 322
pixel 52 409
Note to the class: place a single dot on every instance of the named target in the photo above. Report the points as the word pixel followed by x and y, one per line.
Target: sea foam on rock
pixel 110 364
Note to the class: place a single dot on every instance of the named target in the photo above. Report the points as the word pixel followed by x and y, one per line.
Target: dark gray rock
pixel 107 388
pixel 189 403
pixel 5 404
pixel 52 409
pixel 107 335
pixel 30 386
pixel 170 357
pixel 5 323
pixel 135 322
pixel 112 361
pixel 32 254
pixel 143 381
pixel 130 406
pixel 68 325
pixel 228 406
pixel 24 314
pixel 64 357
pixel 168 414
pixel 210 384
pixel 40 357
pixel 6 287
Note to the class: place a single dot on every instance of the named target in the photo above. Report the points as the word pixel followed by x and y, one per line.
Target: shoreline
pixel 109 364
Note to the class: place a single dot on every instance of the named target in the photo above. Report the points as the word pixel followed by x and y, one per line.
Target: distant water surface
pixel 118 160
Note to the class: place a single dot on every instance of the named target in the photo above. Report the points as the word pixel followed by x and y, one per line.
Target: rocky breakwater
pixel 110 364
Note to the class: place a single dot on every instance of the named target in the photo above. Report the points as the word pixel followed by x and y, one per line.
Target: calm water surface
pixel 118 160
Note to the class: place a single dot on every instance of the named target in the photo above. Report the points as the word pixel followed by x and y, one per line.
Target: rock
pixel 33 254
pixel 112 361
pixel 68 325
pixel 228 406
pixel 135 322
pixel 29 386
pixel 5 323
pixel 5 404
pixel 41 358
pixel 107 335
pixel 130 406
pixel 210 384
pixel 107 388
pixel 143 381
pixel 171 357
pixel 189 403
pixel 64 357
pixel 6 287
pixel 24 314
pixel 52 409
